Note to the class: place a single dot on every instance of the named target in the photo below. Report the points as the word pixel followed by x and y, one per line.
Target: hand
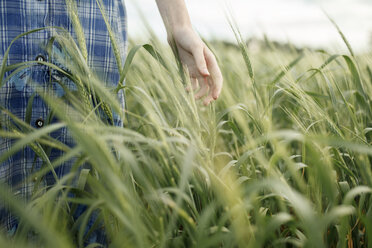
pixel 201 64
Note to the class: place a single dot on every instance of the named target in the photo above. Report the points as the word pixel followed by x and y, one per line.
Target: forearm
pixel 175 15
pixel 193 53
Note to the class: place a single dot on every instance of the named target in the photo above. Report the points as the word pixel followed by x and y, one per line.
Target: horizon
pixel 300 22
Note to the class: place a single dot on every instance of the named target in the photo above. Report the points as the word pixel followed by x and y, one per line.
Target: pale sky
pixel 300 21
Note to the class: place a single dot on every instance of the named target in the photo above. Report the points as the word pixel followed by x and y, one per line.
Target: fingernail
pixel 205 71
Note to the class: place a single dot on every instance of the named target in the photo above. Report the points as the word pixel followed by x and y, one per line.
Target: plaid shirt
pixel 19 16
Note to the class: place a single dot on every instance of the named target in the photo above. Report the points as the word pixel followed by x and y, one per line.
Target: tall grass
pixel 281 162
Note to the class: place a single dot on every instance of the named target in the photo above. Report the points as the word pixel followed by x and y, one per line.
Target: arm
pixel 194 54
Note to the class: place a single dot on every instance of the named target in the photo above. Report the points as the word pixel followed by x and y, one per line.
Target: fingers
pixel 209 98
pixel 216 75
pixel 204 87
pixel 194 84
pixel 201 64
pixel 205 73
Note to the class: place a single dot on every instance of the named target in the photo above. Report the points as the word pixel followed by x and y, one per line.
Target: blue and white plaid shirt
pixel 19 16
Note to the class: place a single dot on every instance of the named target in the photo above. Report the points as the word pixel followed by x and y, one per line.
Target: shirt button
pixel 39 123
pixel 40 58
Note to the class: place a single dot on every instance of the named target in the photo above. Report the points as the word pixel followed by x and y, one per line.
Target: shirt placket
pixel 38 18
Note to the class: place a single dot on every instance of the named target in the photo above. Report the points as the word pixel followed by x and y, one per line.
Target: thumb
pixel 200 61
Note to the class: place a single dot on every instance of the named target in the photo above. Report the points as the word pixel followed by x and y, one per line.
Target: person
pixel 17 93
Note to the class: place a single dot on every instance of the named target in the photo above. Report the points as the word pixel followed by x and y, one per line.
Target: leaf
pixel 287 68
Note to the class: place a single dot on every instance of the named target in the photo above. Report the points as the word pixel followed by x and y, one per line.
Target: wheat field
pixel 281 159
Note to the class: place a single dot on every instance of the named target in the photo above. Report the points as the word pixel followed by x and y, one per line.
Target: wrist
pixel 180 27
pixel 179 32
pixel 174 14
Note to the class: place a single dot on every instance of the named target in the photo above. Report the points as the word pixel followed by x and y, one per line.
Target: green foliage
pixel 284 161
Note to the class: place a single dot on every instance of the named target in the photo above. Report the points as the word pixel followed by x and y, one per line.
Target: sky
pixel 301 22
